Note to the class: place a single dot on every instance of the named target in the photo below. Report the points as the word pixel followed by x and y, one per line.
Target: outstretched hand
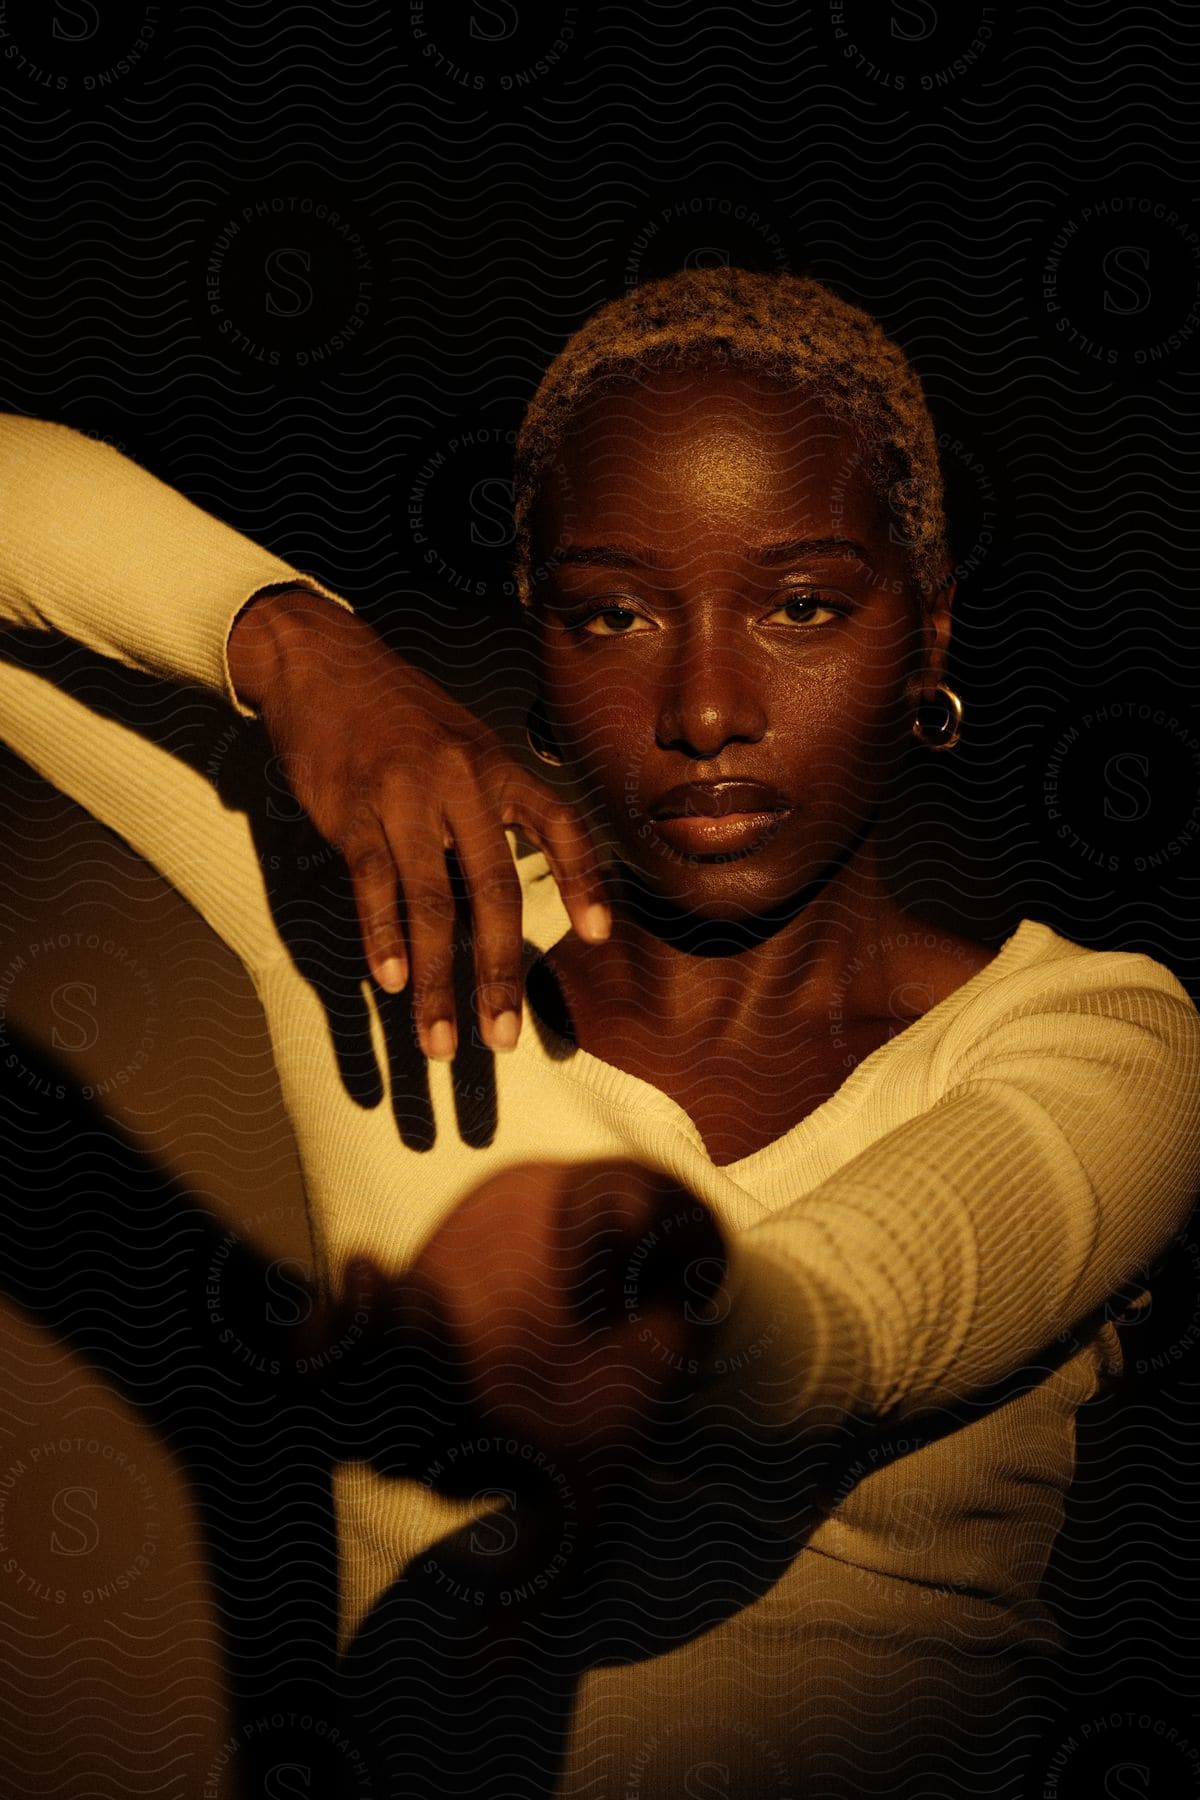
pixel 577 1296
pixel 556 1305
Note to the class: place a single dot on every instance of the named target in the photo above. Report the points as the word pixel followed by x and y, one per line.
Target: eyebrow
pixel 788 550
pixel 796 549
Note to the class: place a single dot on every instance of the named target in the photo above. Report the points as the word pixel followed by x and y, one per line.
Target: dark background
pixel 307 264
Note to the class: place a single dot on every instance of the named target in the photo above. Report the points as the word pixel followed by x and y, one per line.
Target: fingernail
pixel 597 921
pixel 392 974
pixel 505 1027
pixel 440 1040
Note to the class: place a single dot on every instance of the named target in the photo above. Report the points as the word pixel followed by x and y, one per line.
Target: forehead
pixel 685 451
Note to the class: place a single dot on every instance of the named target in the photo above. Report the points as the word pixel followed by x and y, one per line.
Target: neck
pixel 671 973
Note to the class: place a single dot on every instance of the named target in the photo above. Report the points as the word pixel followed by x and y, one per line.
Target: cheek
pixel 610 749
pixel 605 730
pixel 836 733
pixel 858 693
pixel 589 709
pixel 834 696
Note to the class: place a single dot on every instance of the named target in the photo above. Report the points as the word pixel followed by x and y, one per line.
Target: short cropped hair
pixel 787 328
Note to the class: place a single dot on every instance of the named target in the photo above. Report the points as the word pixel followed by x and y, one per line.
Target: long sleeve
pixel 96 550
pixel 100 551
pixel 1059 1155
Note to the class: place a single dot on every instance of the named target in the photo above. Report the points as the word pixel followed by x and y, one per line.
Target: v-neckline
pixel 633 1093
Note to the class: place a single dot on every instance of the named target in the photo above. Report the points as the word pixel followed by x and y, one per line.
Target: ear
pixel 936 606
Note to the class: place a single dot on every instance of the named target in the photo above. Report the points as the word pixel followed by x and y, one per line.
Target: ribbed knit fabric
pixel 953 1217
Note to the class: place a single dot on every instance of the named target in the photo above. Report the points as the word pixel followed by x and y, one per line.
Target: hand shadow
pixel 306 882
pixel 463 1678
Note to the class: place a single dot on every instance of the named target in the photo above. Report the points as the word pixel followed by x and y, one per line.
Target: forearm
pixel 969 1247
pixel 96 549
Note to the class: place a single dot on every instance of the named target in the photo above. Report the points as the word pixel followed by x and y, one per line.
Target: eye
pixel 612 621
pixel 799 608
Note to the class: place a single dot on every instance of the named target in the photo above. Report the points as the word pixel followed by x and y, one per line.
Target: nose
pixel 710 697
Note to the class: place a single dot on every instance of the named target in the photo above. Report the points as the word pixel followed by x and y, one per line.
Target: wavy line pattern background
pixel 307 265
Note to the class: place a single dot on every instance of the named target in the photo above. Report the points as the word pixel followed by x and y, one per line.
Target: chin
pixel 732 886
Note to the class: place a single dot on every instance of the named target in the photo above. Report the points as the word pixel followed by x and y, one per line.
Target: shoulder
pixel 1050 959
pixel 1034 958
pixel 1044 994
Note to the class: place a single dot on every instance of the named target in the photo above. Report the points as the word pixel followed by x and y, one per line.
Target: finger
pixel 429 915
pixel 373 875
pixel 494 892
pixel 556 828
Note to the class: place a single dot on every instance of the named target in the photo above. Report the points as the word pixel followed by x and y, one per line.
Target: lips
pixel 718 800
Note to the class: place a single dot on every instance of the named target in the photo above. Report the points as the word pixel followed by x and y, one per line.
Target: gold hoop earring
pixel 538 742
pixel 951 728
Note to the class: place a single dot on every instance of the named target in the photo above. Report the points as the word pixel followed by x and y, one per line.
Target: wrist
pixel 273 625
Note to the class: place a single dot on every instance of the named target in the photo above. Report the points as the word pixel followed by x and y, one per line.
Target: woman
pixel 779 1226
